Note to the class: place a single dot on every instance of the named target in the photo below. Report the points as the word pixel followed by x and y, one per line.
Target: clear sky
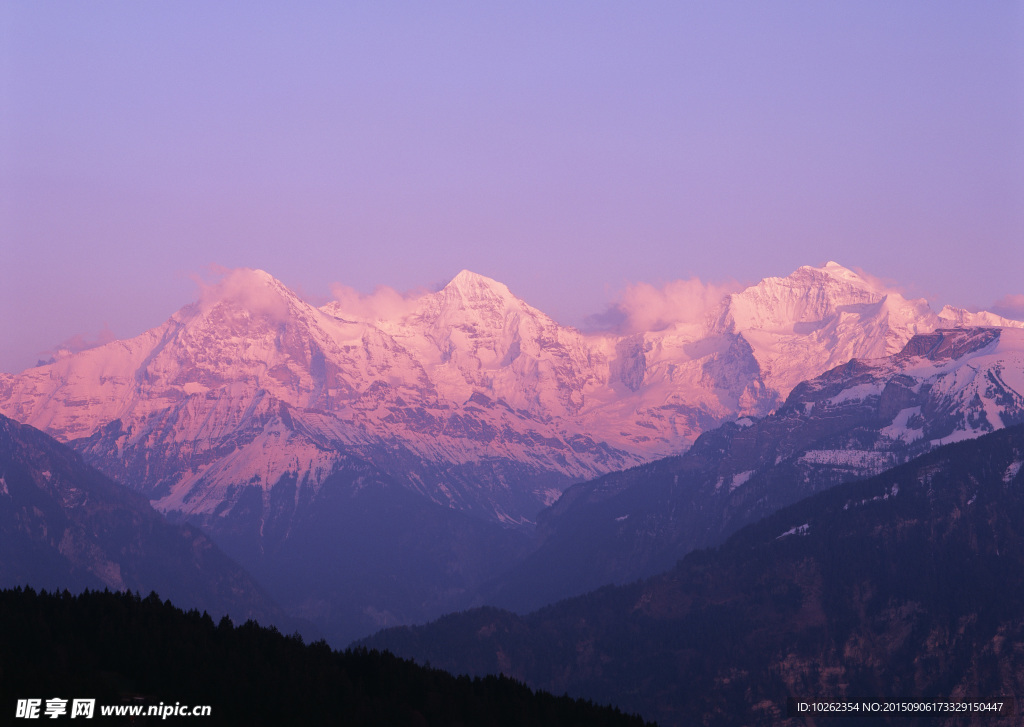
pixel 567 149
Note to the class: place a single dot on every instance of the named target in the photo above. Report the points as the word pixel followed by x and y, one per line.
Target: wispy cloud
pixel 383 303
pixel 79 342
pixel 882 285
pixel 1010 306
pixel 252 290
pixel 644 307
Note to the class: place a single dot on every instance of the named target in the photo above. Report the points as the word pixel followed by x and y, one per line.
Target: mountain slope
pixel 908 586
pixel 65 525
pixel 851 422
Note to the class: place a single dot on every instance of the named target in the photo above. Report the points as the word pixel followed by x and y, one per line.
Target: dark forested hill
pixel 120 649
pixel 907 586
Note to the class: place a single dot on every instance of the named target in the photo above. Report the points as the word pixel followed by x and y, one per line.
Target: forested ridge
pixel 120 648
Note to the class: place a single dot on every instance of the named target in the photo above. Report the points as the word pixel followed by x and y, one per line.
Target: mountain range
pixel 466 395
pixel 410 455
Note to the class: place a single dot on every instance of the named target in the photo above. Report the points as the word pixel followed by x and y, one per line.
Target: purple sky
pixel 567 149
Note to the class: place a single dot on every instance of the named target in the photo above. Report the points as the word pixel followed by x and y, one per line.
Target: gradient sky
pixel 568 149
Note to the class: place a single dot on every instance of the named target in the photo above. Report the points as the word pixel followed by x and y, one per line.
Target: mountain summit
pixel 817 318
pixel 473 286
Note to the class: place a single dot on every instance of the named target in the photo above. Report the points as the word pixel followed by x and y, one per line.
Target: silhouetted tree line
pixel 122 648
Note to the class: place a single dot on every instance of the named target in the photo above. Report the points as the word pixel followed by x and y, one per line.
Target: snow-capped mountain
pixel 821 317
pixel 471 397
pixel 666 387
pixel 253 385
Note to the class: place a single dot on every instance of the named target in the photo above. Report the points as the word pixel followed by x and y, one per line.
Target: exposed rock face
pixel 631 362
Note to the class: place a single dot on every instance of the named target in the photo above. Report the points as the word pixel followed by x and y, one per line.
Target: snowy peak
pixel 843 274
pixel 249 327
pixel 817 318
pixel 473 298
pixel 956 317
pixel 832 265
pixel 473 286
pixel 476 316
pixel 807 296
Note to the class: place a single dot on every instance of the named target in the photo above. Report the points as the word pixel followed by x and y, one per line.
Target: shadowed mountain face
pixel 908 586
pixel 65 525
pixel 368 553
pixel 851 422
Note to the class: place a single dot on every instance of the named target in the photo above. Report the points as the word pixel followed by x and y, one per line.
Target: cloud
pixel 881 285
pixel 644 307
pixel 76 343
pixel 383 303
pixel 252 290
pixel 1010 306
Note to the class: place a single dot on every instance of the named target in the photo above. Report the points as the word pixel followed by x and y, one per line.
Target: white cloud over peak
pixel 645 307
pixel 253 290
pixel 383 303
